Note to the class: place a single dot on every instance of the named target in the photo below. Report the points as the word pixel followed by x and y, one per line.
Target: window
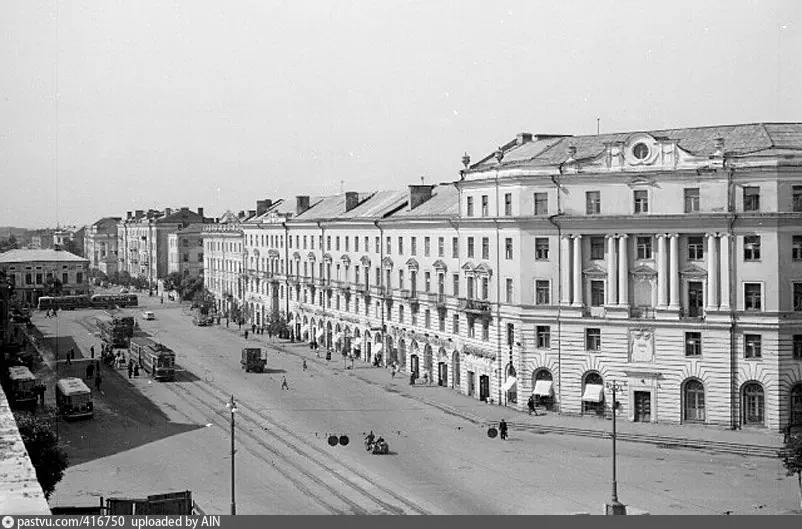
pixel 413 245
pixel 753 404
pixel 427 281
pixel 485 330
pixel 469 208
pixel 693 344
pixel 691 200
pixel 485 211
pixel 356 244
pixel 752 346
pixel 641 201
pixel 796 248
pixel 455 285
pixel 441 247
pixel 328 243
pixel 508 248
pixel 597 248
pixel 508 204
pixel 346 244
pixel 693 397
pixel 427 318
pixel 485 288
pixel 797 297
pixel 400 314
pixel 508 289
pixel 597 293
pixel 752 296
pixel 186 257
pixel 644 247
pixel 441 321
pixel 79 277
pixel 593 340
pixel 65 278
pixel 455 324
pixel 376 244
pixel 471 331
pixel 543 336
pixel 751 247
pixel 542 292
pixel 797 198
pixel 541 203
pixel 426 246
pixel 541 249
pixel 593 202
pixel 400 246
pixel 696 248
pixel 401 279
pixel 751 198
pixel 389 246
pixel 470 247
pixel 797 345
pixel 485 248
pixel 38 279
pixel 510 334
pixel 455 247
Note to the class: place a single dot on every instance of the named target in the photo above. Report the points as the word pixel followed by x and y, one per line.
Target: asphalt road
pixel 150 437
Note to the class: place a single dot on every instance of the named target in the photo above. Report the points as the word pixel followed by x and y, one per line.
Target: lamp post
pixel 232 405
pixel 615 507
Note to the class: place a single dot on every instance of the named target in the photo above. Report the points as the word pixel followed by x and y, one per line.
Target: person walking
pixel 136 370
pixel 502 429
pixel 253 328
pixel 304 364
pixel 531 404
pixel 69 357
pixel 98 380
pixel 130 369
pixel 284 384
pixel 92 351
pixel 246 334
pixel 392 371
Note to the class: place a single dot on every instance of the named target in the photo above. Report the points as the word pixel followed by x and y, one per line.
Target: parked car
pixel 148 315
pixel 202 321
pixel 124 290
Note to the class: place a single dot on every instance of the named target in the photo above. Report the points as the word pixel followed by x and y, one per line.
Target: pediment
pixel 412 263
pixel 365 260
pixel 311 256
pixel 346 260
pixel 439 265
pixel 595 271
pixel 327 258
pixel 468 267
pixel 482 268
pixel 273 254
pixel 694 271
pixel 643 271
pixel 296 256
pixel 387 262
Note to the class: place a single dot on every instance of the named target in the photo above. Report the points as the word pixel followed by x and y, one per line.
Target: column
pixel 565 263
pixel 577 302
pixel 612 291
pixel 623 271
pixel 673 302
pixel 724 263
pixel 662 263
pixel 712 272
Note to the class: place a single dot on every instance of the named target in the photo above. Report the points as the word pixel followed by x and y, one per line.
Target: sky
pixel 108 106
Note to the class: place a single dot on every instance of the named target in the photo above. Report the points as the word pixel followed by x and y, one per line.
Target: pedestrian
pixel 226 323
pixel 246 334
pixel 92 351
pixel 253 328
pixel 239 323
pixel 502 429
pixel 304 364
pixel 47 314
pixel 136 370
pixel 392 371
pixel 328 354
pixel 284 384
pixel 130 369
pixel 412 379
pixel 90 370
pixel 40 389
pixel 531 404
pixel 98 380
pixel 69 357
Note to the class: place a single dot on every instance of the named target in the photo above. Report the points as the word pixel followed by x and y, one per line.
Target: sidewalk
pixel 710 438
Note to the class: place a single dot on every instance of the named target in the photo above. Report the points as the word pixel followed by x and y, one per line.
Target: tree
pixel 791 455
pixel 53 286
pixel 173 281
pixel 41 442
pixel 277 324
pixel 203 300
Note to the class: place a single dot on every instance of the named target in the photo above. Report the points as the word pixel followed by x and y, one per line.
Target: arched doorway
pixel 414 360
pixel 329 335
pixel 455 371
pixel 753 404
pixel 428 361
pixel 796 405
pixel 442 367
pixel 389 351
pixel 510 386
pixel 693 401
pixel 543 392
pixel 401 354
pixel 368 346
pixel 356 344
pixel 593 393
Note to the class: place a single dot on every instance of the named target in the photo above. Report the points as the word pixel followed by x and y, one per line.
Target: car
pixel 123 291
pixel 148 315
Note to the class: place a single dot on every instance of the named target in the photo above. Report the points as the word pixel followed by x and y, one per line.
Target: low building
pixel 35 273
pixel 185 251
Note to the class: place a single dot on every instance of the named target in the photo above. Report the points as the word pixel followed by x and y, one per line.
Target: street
pixel 150 437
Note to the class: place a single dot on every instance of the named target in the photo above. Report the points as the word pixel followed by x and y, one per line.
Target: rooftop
pixel 31 255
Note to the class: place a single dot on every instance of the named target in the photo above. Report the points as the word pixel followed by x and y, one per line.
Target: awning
pixel 509 384
pixel 593 393
pixel 543 388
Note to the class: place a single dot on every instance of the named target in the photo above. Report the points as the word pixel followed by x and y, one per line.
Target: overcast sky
pixel 110 105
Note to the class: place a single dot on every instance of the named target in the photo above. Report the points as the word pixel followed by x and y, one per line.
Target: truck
pixel 254 359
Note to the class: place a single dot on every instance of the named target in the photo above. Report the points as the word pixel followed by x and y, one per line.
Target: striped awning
pixel 509 383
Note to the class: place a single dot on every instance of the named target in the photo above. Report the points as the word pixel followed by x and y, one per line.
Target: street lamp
pixel 232 405
pixel 615 507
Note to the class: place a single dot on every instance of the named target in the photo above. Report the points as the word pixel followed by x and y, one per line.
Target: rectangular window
pixel 508 289
pixel 400 246
pixel 542 292
pixel 797 198
pixel 597 248
pixel 485 209
pixel 427 318
pixel 389 246
pixel 347 249
pixel 753 299
pixel 441 247
pixel 304 242
pixel 797 297
pixel 691 200
pixel 752 248
pixel 471 331
pixel 508 248
pixel 470 247
pixel 797 345
pixel 455 285
pixel 751 198
pixel 510 335
pixel 441 321
pixel 543 336
pixel 597 293
pixel 485 330
pixel 455 247
pixel 593 202
pixel 469 209
pixel 427 281
pixel 796 248
pixel 508 204
pixel 328 243
pixel 644 247
pixel 485 248
pixel 426 246
pixel 455 324
pixel 65 278
pixel 377 244
pixel 79 277
pixel 356 244
pixel 38 279
pixel 28 279
pixel 541 203
pixel 693 344
pixel 593 340
pixel 413 245
pixel 401 279
pixel 485 288
pixel 541 249
pixel 753 346
pixel 641 201
pixel 696 248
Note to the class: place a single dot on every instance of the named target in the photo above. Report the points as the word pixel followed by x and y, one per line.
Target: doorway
pixel 414 366
pixel 442 374
pixel 484 388
pixel 643 406
pixel 696 298
pixel 471 383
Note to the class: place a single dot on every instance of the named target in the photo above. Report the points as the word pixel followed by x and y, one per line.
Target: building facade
pixel 222 255
pixel 100 245
pixel 32 272
pixel 185 249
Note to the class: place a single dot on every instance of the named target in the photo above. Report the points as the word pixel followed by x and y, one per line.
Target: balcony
pixel 437 298
pixel 361 288
pixel 404 293
pixel 692 314
pixel 594 312
pixel 342 286
pixel 381 291
pixel 475 306
pixel 642 313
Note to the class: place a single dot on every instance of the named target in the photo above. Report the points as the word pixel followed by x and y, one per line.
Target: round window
pixel 640 151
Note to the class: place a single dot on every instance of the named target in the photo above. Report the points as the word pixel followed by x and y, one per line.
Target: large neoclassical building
pixel 667 262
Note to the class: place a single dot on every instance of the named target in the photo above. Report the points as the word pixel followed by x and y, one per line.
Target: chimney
pixel 241 214
pixel 130 214
pixel 262 206
pixel 418 194
pixel 301 204
pixel 184 208
pixel 523 137
pixel 251 213
pixel 351 200
pixel 168 212
pixel 139 212
pixel 200 212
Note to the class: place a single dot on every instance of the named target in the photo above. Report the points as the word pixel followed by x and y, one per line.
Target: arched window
pixel 796 405
pixel 511 384
pixel 693 398
pixel 543 388
pixel 593 393
pixel 753 404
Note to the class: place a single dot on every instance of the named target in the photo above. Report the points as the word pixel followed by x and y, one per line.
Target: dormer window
pixel 640 151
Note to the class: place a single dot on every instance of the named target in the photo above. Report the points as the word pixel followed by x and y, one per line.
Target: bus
pixel 64 302
pixel 102 301
pixel 155 358
pixel 23 385
pixel 113 333
pixel 118 317
pixel 73 398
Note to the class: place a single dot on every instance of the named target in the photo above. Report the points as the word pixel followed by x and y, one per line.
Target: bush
pixel 41 442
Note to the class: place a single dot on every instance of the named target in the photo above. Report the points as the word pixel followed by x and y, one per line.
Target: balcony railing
pixel 474 306
pixel 404 293
pixel 436 297
pixel 692 314
pixel 360 287
pixel 381 291
pixel 642 313
pixel 594 312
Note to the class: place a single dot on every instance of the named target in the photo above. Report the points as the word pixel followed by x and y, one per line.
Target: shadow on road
pixel 184 376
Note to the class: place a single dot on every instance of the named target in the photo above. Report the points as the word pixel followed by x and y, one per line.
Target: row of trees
pixel 119 278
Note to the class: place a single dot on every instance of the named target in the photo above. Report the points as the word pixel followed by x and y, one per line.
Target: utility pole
pixel 615 507
pixel 233 406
